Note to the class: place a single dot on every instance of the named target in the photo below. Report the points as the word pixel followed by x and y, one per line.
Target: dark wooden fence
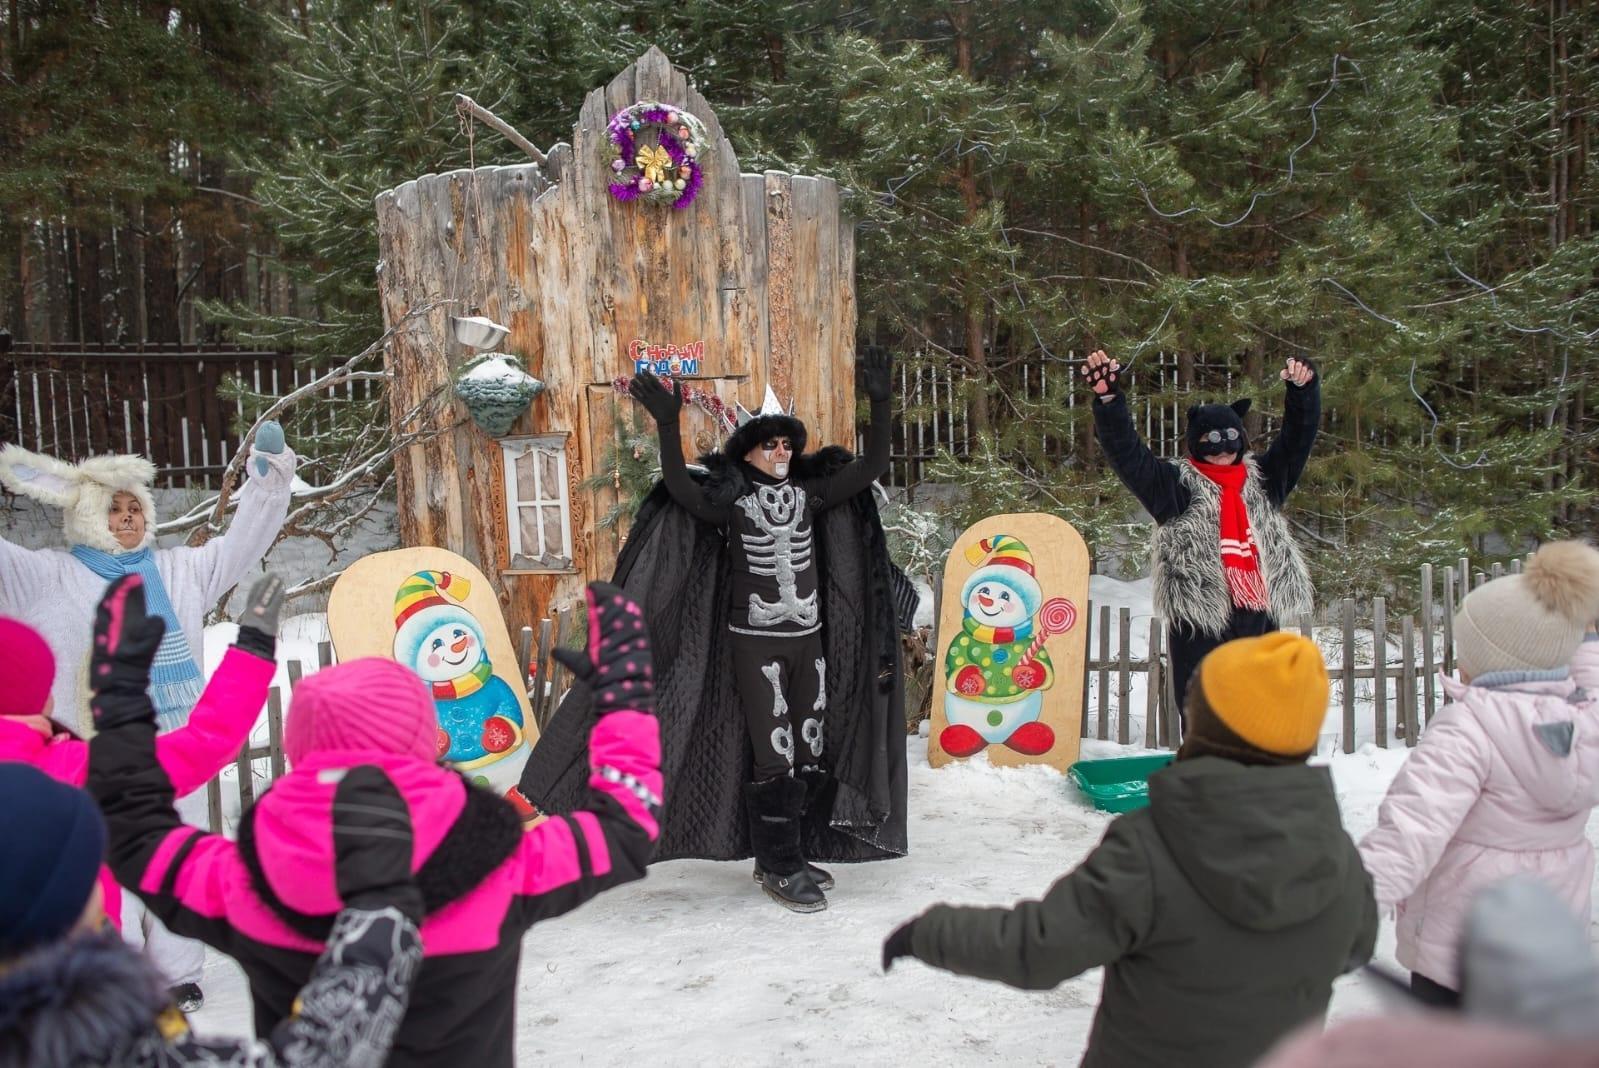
pixel 161 401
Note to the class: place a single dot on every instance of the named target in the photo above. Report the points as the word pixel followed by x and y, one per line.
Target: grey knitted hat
pixel 1533 621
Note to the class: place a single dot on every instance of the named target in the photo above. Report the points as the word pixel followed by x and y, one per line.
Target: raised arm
pixel 570 857
pixel 227 709
pixel 1092 916
pixel 666 405
pixel 1285 461
pixel 877 375
pixel 223 561
pixel 1152 480
pixel 179 872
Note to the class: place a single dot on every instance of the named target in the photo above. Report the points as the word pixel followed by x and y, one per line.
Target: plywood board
pixel 1011 653
pixel 433 611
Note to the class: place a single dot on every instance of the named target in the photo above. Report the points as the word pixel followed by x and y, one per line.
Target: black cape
pixel 675 566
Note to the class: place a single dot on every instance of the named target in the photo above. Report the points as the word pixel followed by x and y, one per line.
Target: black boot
pixel 816 780
pixel 774 811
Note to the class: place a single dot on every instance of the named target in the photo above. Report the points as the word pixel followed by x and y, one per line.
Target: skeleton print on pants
pixel 782 684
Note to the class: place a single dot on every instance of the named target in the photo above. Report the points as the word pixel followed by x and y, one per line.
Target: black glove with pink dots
pixel 616 665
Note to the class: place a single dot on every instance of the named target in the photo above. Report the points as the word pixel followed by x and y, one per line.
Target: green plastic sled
pixel 1120 784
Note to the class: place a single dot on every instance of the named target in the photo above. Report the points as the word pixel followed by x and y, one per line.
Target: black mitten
pixel 373 843
pixel 877 373
pixel 616 665
pixel 125 642
pixel 662 403
pixel 898 944
pixel 258 627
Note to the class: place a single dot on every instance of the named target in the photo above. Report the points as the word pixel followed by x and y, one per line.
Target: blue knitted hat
pixel 52 844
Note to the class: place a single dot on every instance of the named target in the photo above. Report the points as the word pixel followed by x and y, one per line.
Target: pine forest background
pixel 1402 190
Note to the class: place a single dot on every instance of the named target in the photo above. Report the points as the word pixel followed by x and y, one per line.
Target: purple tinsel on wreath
pixel 621 132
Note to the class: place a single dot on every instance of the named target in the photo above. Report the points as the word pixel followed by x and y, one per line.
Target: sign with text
pixel 666 359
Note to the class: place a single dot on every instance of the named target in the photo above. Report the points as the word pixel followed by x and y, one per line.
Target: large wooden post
pixel 760 268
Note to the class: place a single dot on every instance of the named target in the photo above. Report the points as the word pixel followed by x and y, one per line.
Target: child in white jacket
pixel 1504 779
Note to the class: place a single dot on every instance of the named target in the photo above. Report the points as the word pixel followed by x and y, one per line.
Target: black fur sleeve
pixel 1151 479
pixel 1285 461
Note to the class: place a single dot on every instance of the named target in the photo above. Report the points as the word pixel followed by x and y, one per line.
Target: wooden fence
pixel 1391 665
pixel 161 401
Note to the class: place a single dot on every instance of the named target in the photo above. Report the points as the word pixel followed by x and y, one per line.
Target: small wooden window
pixel 538 511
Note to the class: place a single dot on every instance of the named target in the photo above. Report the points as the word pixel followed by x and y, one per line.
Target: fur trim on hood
pixel 87 999
pixel 82 491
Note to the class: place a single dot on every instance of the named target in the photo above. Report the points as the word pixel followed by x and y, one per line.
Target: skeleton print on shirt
pixel 774 581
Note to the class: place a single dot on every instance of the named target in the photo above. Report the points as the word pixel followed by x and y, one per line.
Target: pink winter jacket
pixel 191 755
pixel 1501 783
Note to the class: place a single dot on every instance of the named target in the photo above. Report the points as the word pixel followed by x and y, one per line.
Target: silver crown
pixel 769 406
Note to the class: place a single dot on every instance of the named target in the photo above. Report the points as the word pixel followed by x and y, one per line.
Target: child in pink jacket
pixel 1507 773
pixel 191 755
pixel 271 898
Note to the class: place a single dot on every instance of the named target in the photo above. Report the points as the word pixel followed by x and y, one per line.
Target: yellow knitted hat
pixel 1271 691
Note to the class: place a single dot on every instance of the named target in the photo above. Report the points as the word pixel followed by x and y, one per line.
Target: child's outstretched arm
pixel 1092 916
pixel 179 872
pixel 225 712
pixel 1440 781
pixel 569 858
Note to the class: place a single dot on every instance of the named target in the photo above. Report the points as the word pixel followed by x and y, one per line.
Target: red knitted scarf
pixel 1240 559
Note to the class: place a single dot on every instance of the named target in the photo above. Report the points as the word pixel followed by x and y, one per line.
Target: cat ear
pixel 1240 407
pixel 1193 412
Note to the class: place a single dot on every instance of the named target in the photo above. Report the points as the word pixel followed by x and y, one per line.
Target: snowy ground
pixel 694 964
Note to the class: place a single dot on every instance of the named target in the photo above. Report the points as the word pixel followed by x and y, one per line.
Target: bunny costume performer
pixel 55 590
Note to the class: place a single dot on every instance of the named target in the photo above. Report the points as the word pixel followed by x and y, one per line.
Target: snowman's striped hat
pixel 427 589
pixel 1008 561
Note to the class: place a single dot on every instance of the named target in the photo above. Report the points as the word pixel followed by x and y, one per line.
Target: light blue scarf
pixel 175 678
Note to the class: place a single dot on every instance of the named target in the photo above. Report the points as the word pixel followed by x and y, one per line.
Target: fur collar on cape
pixel 726 480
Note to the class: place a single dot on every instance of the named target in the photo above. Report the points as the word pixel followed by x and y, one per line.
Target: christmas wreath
pixel 668 171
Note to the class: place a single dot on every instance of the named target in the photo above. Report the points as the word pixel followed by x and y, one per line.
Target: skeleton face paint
pixel 771 457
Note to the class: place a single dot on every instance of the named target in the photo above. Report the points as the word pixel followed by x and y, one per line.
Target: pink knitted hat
pixel 368 704
pixel 30 669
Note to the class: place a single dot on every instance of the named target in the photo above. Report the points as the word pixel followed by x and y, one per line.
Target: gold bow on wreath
pixel 654 162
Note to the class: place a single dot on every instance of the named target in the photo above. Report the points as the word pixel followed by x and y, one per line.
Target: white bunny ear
pixel 42 478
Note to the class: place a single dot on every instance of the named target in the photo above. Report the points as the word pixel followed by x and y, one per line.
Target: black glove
pixel 616 665
pixel 373 843
pixel 662 403
pixel 125 643
pixel 877 373
pixel 898 944
pixel 258 628
pixel 1108 373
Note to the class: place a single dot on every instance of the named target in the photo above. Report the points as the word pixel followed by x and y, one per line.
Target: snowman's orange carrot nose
pixel 462 645
pixel 986 602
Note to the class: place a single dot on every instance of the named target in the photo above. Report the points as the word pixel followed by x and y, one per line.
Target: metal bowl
pixel 477 331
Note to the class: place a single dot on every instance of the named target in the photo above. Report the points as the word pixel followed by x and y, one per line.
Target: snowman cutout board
pixel 1011 645
pixel 432 611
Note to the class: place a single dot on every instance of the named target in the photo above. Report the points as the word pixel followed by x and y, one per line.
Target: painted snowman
pixel 996 668
pixel 480 721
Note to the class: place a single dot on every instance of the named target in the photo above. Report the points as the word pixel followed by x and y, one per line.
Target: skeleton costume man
pixel 774 621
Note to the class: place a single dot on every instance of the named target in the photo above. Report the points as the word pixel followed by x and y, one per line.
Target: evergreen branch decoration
pixel 668 171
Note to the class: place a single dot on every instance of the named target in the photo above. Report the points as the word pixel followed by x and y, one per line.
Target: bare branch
pixel 467 106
